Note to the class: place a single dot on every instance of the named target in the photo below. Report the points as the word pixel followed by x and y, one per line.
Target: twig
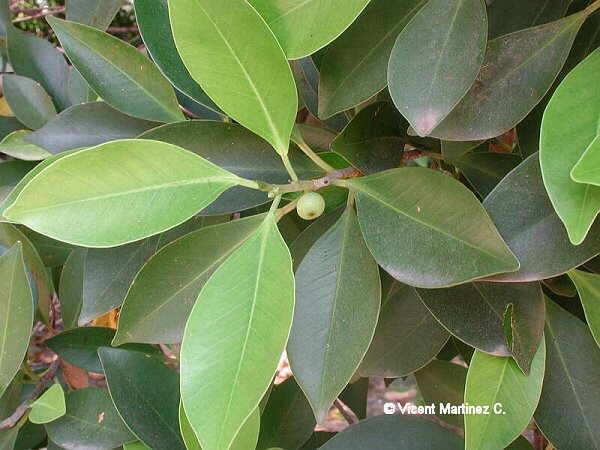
pixel 345 411
pixel 43 13
pixel 128 29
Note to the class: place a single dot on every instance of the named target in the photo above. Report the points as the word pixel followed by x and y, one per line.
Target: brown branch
pixel 310 185
pixel 345 411
pixel 43 13
pixel 128 29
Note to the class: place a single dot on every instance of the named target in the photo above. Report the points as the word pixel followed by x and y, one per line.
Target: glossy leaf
pixel 569 127
pixel 16 314
pixel 87 125
pixel 521 209
pixel 518 69
pixel 252 84
pixel 16 146
pixel 498 382
pixel 235 335
pixel 571 383
pixel 337 289
pixel 407 336
pixel 354 66
pixel 91 12
pixel 588 286
pixel 124 177
pixel 91 417
pixel 587 168
pixel 436 59
pixel 28 100
pixel 389 202
pixel 305 27
pixel 49 406
pixel 117 72
pixel 146 395
pixel 478 312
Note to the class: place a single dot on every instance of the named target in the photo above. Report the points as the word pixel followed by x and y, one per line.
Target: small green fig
pixel 310 206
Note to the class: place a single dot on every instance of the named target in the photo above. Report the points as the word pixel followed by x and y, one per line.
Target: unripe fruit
pixel 310 206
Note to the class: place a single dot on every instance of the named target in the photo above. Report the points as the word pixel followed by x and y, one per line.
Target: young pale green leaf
pixel 235 335
pixel 569 407
pixel 394 432
pixel 517 71
pixel 118 72
pixel 477 313
pixel 155 28
pixel 28 100
pixel 50 406
pixel 354 66
pixel 569 127
pixel 146 395
pixel 436 59
pixel 413 233
pixel 118 192
pixel 169 283
pixel 521 209
pixel 337 289
pixel 91 417
pixel 16 146
pixel 16 313
pixel 588 286
pixel 511 397
pixel 587 169
pixel 304 27
pixel 251 83
pixel 92 12
pixel 407 336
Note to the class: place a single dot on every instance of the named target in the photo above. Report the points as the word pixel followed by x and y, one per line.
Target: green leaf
pixel 28 100
pixel 512 398
pixel 50 406
pixel 87 125
pixel 413 233
pixel 588 286
pixel 571 121
pixel 235 335
pixel 11 172
pixel 118 72
pixel 587 169
pixel 569 406
pixel 94 13
pixel 288 420
pixel 394 433
pixel 337 289
pixel 126 178
pixel 91 418
pixel 485 170
pixel 508 16
pixel 453 150
pixel 16 146
pixel 407 336
pixel 436 59
pixel 169 283
pixel 518 70
pixel 137 445
pixel 304 27
pixel 521 209
pixel 155 28
pixel 252 84
pixel 146 395
pixel 443 382
pixel 354 66
pixel 490 306
pixel 16 313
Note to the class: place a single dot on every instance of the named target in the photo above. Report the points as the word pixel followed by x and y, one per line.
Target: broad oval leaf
pixel 501 319
pixel 337 289
pixel 569 127
pixel 588 287
pixel 146 395
pixel 517 71
pixel 256 87
pixel 118 192
pixel 521 209
pixel 235 335
pixel 28 100
pixel 498 383
pixel 16 314
pixel 394 432
pixel 304 27
pixel 587 169
pixel 354 66
pixel 16 146
pixel 571 383
pixel 407 336
pixel 118 72
pixel 436 59
pixel 49 406
pixel 413 233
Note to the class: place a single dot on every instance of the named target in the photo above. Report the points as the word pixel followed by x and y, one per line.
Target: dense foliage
pixel 364 189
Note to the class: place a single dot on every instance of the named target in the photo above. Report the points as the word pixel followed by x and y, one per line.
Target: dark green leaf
pixel 485 170
pixel 507 16
pixel 11 172
pixel 92 12
pixel 28 100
